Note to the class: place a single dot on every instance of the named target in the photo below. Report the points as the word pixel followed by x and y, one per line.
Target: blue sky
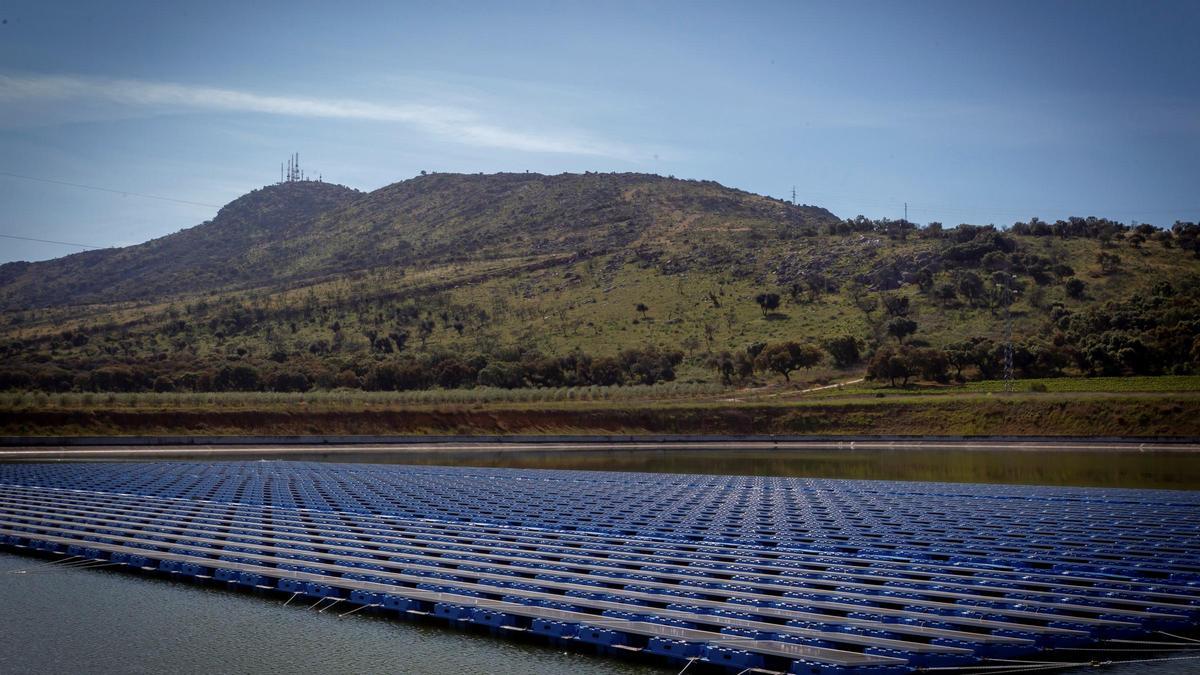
pixel 970 111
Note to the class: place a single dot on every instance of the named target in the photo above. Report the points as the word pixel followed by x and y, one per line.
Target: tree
pixel 743 365
pixel 724 365
pixel 970 286
pixel 641 308
pixel 932 364
pixel 649 365
pixel 945 293
pixel 895 305
pixel 995 260
pixel 959 355
pixel 785 357
pixel 606 371
pixel 238 378
pixel 1075 288
pixel 424 330
pixel 867 304
pixel 901 327
pixel 889 364
pixel 1109 262
pixel 288 381
pixel 451 373
pixel 501 375
pixel 767 302
pixel 845 350
pixel 861 297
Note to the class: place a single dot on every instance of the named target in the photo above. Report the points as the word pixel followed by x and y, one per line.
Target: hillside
pixel 516 280
pixel 224 252
pixel 303 230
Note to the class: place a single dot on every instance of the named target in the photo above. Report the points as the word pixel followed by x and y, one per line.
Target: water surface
pixel 1109 468
pixel 102 621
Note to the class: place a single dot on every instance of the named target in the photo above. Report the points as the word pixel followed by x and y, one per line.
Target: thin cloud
pixel 452 123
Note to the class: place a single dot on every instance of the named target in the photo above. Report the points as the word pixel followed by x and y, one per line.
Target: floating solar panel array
pixel 773 574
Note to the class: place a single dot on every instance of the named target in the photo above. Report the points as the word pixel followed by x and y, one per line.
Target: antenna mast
pixel 290 171
pixel 1008 334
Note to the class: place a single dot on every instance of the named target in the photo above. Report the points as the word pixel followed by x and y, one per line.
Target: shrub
pixel 845 350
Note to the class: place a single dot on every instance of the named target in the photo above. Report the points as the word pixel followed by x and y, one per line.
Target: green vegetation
pixel 589 283
pixel 673 408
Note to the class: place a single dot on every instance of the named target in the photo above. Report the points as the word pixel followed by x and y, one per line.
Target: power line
pixel 123 193
pixel 49 241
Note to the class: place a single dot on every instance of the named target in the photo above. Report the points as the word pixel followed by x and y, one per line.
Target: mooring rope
pixel 95 565
pixel 77 565
pixel 1035 663
pixel 1053 666
pixel 1007 668
pixel 1130 650
pixel 52 566
pixel 1178 637
pixel 27 570
pixel 342 616
pixel 330 606
pixel 1037 666
pixel 688 665
pixel 1165 658
pixel 319 601
pixel 1150 642
pixel 80 564
pixel 289 600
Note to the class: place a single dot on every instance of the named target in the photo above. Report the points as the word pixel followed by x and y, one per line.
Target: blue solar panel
pixel 782 574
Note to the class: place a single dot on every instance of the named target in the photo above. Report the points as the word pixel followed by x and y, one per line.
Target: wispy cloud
pixel 453 123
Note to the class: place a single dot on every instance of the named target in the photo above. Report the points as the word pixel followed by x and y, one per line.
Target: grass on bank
pixel 1058 385
pixel 709 395
pixel 352 398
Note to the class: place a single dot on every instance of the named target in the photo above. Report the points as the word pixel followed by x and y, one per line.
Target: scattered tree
pixel 901 327
pixel 785 357
pixel 890 364
pixel 767 302
pixel 845 350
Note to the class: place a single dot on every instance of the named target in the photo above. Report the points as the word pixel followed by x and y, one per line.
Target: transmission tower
pixel 290 171
pixel 1008 333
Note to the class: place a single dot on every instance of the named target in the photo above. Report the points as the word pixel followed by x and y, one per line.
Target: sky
pixel 125 121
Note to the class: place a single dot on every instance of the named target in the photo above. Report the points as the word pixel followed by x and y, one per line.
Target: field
pixel 1163 406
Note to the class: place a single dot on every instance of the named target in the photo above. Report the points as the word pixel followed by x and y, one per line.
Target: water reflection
pixel 1163 470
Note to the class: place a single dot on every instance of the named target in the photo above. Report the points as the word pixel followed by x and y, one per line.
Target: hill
pixel 293 231
pixel 519 280
pixel 221 253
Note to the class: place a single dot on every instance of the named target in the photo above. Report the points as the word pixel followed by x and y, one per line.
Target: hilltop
pixel 526 280
pixel 221 253
pixel 302 230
